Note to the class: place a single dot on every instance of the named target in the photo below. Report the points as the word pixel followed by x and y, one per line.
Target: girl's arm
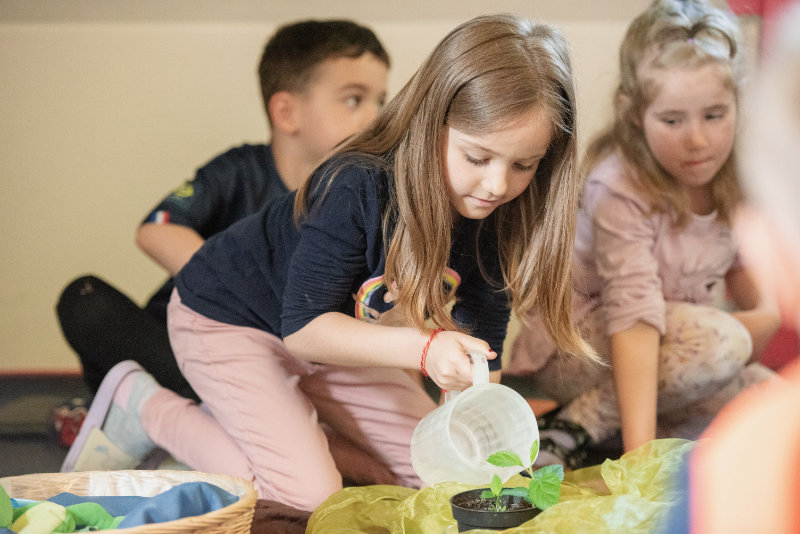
pixel 338 339
pixel 761 318
pixel 624 235
pixel 634 357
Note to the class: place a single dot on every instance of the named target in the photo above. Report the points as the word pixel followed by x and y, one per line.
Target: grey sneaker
pixel 111 436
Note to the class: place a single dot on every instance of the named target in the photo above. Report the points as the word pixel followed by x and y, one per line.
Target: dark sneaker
pixel 66 420
pixel 562 442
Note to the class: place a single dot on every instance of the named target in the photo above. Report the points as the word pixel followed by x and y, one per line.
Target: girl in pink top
pixel 654 248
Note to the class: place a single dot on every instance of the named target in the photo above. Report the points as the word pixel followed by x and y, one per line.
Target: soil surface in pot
pixel 476 503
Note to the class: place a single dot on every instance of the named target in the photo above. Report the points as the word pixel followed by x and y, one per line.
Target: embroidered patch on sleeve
pixel 159 217
pixel 184 190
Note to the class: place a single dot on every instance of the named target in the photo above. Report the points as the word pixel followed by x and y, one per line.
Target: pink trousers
pixel 262 411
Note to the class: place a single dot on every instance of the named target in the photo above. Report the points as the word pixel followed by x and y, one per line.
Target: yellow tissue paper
pixel 628 495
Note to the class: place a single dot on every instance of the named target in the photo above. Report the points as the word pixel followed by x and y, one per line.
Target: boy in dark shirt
pixel 321 81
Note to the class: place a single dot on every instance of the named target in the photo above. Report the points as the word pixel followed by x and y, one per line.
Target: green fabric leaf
pixel 44 516
pixel 91 514
pixel 67 525
pixel 22 509
pixel 6 514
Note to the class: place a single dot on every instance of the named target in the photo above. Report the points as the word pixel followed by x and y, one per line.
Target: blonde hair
pixel 481 76
pixel 670 33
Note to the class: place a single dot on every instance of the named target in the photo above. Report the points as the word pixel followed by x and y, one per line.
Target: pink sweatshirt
pixel 630 261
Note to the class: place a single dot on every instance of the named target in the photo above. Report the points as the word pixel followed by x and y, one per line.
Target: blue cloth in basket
pixel 185 500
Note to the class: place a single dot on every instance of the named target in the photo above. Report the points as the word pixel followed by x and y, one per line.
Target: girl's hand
pixel 447 362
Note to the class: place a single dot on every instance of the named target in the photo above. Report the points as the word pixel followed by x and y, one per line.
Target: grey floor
pixel 26 443
pixel 27 446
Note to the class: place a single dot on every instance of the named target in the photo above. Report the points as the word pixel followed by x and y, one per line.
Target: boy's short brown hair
pixel 293 52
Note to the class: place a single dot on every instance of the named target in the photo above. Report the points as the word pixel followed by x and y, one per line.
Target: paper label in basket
pixel 99 454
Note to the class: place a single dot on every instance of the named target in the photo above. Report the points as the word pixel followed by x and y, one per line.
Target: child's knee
pixel 727 340
pixel 707 337
pixel 298 487
pixel 86 299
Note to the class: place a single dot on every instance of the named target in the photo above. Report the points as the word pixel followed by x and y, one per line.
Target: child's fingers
pixel 480 346
pixel 448 362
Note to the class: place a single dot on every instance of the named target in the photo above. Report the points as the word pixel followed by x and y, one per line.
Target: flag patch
pixel 159 217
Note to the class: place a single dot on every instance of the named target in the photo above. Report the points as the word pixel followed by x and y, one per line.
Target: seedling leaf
pixel 494 492
pixel 496 485
pixel 534 450
pixel 517 492
pixel 555 469
pixel 505 459
pixel 545 486
pixel 544 489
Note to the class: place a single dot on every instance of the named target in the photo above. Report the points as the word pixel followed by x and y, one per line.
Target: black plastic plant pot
pixel 470 511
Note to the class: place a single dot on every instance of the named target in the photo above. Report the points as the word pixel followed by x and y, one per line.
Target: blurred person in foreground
pixel 745 477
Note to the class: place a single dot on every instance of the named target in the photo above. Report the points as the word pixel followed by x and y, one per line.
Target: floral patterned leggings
pixel 702 366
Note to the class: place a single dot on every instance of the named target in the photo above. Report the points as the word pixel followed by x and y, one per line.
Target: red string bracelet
pixel 425 351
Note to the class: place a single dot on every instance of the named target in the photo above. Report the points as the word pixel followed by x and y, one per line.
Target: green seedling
pixel 544 489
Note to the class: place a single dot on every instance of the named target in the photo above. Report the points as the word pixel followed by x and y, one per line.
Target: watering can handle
pixel 480 372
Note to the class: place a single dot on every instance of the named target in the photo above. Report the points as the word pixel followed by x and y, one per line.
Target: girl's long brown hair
pixel 669 34
pixel 480 77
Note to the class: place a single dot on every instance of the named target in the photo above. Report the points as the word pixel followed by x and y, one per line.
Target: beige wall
pixel 105 106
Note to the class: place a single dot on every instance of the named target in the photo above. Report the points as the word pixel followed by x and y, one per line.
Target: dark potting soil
pixel 476 503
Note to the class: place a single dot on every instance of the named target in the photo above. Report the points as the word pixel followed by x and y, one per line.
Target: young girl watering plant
pixel 654 247
pixel 463 187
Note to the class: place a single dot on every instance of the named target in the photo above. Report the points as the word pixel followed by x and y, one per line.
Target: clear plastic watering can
pixel 453 441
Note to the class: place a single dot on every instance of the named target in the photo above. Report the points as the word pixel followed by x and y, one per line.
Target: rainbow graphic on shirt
pixel 370 302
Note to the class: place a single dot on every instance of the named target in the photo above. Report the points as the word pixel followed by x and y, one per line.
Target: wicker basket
pixel 234 518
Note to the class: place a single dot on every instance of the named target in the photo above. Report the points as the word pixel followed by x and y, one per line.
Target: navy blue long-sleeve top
pixel 231 186
pixel 264 272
